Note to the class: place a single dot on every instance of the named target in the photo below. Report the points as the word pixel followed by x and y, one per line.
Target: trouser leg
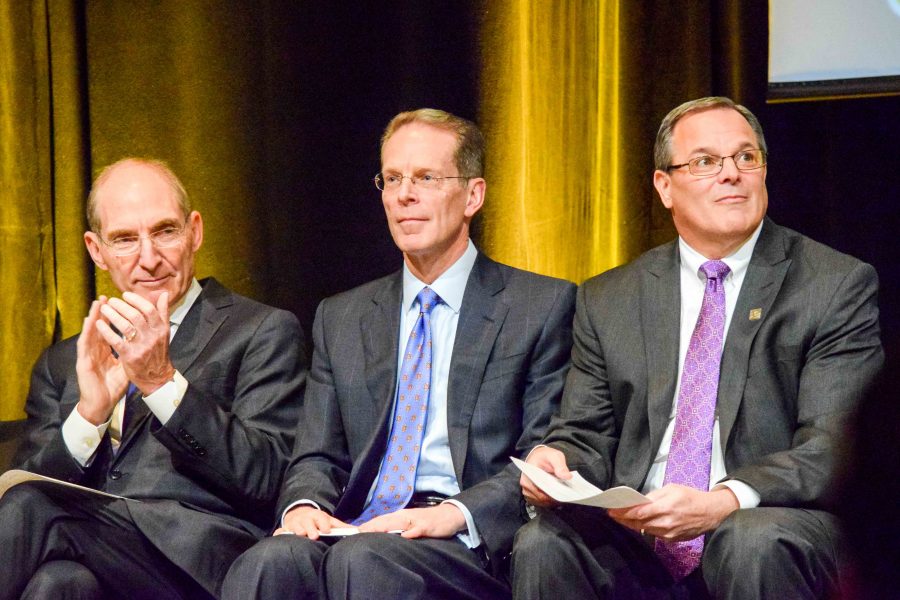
pixel 282 566
pixel 579 552
pixel 44 522
pixel 773 552
pixel 385 565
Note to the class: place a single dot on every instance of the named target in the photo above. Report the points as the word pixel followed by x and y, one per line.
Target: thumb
pixel 162 306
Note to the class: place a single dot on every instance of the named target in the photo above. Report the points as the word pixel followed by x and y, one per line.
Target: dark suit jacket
pixel 509 362
pixel 208 479
pixel 788 379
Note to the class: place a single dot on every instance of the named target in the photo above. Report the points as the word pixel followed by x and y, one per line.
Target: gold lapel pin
pixel 755 314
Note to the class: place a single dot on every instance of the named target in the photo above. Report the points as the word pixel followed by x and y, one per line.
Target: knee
pixel 749 536
pixel 360 550
pixel 541 537
pixel 288 563
pixel 63 579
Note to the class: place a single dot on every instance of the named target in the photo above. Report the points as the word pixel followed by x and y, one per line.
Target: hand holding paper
pixel 578 491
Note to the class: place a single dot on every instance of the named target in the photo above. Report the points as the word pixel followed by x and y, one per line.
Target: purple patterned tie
pixel 689 455
pixel 397 476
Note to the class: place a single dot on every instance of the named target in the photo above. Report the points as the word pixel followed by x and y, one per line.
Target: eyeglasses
pixel 126 245
pixel 393 181
pixel 707 166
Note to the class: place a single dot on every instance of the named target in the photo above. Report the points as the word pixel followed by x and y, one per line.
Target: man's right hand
pixel 550 460
pixel 101 379
pixel 308 521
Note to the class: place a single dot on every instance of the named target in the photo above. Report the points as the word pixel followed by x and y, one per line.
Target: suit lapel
pixel 765 275
pixel 379 331
pixel 661 322
pixel 480 319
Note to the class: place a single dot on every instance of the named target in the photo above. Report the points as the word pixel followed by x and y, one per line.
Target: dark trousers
pixel 56 542
pixel 754 554
pixel 369 565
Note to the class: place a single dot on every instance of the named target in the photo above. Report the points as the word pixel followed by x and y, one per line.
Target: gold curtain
pixel 572 94
pixel 43 184
pixel 551 114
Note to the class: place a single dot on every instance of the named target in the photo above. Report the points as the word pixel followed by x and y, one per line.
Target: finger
pixel 110 337
pixel 138 302
pixel 283 531
pixel 126 322
pixel 162 306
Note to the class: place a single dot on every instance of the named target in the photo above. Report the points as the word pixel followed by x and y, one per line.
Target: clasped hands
pixel 441 521
pixel 137 350
pixel 676 512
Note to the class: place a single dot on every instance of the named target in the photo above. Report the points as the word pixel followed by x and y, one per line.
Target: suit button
pixel 115 474
pixel 201 452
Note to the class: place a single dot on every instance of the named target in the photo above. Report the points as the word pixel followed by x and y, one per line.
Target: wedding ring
pixel 132 333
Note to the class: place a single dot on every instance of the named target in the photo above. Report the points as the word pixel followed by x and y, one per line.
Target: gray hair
pixel 662 150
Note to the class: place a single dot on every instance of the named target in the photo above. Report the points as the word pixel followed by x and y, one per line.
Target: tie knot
pixel 715 269
pixel 428 299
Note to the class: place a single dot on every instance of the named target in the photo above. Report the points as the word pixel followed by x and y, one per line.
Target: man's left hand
pixel 143 346
pixel 678 512
pixel 441 521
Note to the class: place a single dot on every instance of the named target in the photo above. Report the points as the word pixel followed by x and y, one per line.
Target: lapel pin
pixel 755 314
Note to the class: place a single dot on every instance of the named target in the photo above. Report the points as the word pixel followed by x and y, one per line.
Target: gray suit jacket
pixel 788 378
pixel 208 479
pixel 507 371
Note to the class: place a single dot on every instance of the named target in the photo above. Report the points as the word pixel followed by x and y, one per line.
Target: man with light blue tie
pixel 423 384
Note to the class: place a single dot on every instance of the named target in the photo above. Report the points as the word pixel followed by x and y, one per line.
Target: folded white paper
pixel 579 491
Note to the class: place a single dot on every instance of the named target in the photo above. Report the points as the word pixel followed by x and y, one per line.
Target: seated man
pixel 422 385
pixel 714 373
pixel 180 395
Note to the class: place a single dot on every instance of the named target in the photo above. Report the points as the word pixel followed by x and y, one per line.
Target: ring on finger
pixel 130 334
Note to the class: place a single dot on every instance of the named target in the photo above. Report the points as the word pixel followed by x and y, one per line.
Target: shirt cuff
pixel 165 400
pixel 82 438
pixel 295 505
pixel 747 497
pixel 470 538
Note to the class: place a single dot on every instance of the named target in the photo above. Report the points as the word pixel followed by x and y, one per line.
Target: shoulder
pixel 247 311
pixel 515 279
pixel 626 278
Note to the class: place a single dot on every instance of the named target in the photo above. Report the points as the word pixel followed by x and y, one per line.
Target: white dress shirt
pixel 82 438
pixel 693 286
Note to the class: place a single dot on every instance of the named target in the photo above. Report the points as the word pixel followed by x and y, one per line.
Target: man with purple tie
pixel 714 374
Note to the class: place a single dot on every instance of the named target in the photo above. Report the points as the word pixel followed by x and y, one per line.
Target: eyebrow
pixel 132 233
pixel 704 151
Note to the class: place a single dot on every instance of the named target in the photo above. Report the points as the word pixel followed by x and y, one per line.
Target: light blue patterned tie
pixel 691 449
pixel 397 476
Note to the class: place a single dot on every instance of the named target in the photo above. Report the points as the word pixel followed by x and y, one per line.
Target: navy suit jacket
pixel 507 370
pixel 209 478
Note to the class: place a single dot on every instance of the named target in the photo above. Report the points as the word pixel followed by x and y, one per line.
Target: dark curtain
pixel 271 111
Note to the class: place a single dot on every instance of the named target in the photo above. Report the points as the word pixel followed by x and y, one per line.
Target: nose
pixel 729 171
pixel 407 191
pixel 149 256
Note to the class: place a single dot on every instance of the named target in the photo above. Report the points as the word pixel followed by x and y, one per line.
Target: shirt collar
pixel 450 286
pixel 737 261
pixel 178 312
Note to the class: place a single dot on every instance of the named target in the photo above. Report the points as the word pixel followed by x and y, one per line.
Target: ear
pixel 196 222
pixel 662 181
pixel 475 196
pixel 92 241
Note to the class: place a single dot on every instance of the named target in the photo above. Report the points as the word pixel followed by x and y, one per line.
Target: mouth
pixel 152 281
pixel 731 199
